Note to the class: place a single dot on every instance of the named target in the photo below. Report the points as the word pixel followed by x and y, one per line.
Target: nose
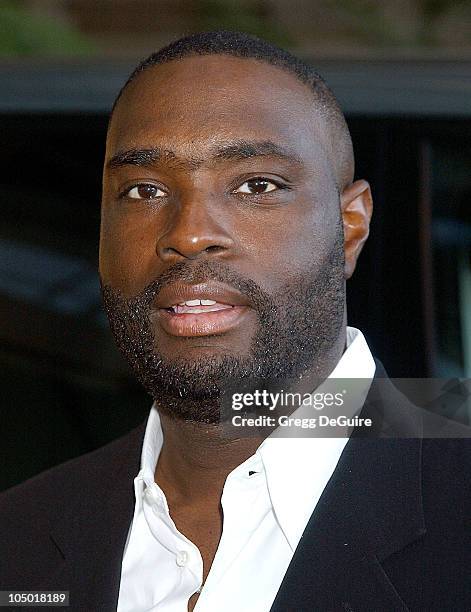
pixel 193 232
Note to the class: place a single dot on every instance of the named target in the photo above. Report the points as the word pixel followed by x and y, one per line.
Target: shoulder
pixel 64 502
pixel 66 483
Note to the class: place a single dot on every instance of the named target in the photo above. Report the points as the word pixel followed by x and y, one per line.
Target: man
pixel 230 222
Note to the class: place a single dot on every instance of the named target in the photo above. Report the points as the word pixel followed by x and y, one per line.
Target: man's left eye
pixel 256 186
pixel 144 191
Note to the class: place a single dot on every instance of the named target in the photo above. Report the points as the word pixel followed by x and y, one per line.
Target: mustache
pixel 198 272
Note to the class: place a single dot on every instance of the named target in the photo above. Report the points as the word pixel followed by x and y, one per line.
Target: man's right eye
pixel 144 191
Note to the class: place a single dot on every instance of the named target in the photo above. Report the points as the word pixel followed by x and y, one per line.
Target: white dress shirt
pixel 266 501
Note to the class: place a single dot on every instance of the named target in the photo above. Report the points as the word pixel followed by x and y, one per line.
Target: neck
pixel 196 458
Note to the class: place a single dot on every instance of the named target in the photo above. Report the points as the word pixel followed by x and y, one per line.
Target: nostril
pixel 214 249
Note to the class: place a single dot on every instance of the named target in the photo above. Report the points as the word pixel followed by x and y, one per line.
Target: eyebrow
pixel 144 157
pixel 243 149
pixel 234 151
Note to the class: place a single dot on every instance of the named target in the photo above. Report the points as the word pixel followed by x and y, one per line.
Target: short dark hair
pixel 242 45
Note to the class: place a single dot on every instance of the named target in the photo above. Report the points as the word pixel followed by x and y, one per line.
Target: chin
pixel 199 350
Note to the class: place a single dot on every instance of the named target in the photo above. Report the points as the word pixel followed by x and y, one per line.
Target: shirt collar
pixel 151 447
pixel 298 468
pixel 357 360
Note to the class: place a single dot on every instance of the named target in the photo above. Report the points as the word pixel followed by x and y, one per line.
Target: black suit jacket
pixel 391 531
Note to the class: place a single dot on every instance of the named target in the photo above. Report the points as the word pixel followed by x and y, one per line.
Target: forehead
pixel 191 104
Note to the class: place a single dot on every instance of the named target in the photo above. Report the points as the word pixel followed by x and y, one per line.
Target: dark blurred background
pixel 402 72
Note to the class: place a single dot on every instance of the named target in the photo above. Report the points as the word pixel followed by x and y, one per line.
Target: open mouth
pixel 199 306
pixel 200 310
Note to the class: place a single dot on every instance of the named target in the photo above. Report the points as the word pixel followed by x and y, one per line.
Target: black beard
pixel 297 327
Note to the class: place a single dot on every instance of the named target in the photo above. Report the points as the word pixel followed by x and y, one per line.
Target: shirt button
pixel 182 558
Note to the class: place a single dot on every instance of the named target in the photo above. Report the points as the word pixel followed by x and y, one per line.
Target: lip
pixel 205 323
pixel 209 290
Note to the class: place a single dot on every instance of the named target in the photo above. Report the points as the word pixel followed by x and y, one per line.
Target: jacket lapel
pixel 370 509
pixel 92 537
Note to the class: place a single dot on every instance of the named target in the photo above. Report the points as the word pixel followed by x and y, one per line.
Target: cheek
pixel 289 246
pixel 127 251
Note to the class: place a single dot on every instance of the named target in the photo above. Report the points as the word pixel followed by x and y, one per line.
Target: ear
pixel 356 204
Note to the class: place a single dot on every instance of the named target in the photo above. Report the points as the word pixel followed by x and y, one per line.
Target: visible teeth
pixel 198 303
